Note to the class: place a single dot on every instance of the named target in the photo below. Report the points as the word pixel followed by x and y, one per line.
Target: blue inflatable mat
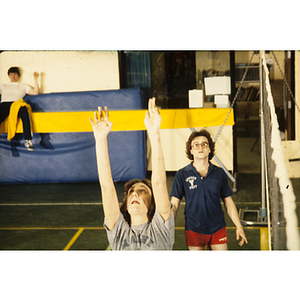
pixel 70 157
pixel 123 99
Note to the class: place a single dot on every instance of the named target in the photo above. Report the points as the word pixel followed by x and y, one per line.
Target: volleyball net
pixel 277 189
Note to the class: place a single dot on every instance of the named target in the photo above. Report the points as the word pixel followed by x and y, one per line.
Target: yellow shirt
pixel 13 117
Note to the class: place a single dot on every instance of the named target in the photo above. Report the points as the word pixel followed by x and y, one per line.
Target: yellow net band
pixel 126 120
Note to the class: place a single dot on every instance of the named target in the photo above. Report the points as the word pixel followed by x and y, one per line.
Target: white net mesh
pixel 278 184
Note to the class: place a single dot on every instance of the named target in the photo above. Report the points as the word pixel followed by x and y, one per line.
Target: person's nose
pixel 135 194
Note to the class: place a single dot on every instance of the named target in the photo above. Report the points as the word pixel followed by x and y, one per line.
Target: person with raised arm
pixel 145 220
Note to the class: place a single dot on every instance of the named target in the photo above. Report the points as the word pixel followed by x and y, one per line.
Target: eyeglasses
pixel 203 145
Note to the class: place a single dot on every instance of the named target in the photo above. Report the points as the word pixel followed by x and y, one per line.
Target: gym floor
pixel 70 216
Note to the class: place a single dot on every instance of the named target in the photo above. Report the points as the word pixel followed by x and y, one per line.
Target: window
pixel 166 75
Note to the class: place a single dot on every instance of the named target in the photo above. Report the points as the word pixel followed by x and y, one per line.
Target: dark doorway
pixel 180 70
pixel 166 75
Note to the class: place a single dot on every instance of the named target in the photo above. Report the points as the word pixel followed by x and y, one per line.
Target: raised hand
pixel 103 126
pixel 153 118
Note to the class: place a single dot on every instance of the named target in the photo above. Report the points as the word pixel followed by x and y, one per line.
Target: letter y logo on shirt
pixel 191 180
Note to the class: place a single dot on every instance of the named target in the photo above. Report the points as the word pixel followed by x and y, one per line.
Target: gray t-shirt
pixel 156 235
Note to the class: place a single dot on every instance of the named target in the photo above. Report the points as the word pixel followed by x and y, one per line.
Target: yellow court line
pixel 51 228
pixel 91 228
pixel 264 234
pixel 74 239
pixel 264 239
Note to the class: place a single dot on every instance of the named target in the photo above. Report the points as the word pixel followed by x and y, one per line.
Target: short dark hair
pixel 193 135
pixel 127 187
pixel 13 70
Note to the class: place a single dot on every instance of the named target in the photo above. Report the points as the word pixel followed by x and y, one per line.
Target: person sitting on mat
pixel 145 219
pixel 13 106
pixel 203 185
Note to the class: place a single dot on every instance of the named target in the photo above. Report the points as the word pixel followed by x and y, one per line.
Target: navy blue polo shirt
pixel 203 210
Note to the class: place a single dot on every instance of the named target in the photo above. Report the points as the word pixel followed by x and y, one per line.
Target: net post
pixel 262 134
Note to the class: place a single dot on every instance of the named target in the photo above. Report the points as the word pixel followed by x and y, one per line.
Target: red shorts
pixel 196 239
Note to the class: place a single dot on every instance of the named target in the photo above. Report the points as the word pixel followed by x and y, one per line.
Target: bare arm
pixel 35 90
pixel 233 214
pixel 159 179
pixel 175 202
pixel 109 195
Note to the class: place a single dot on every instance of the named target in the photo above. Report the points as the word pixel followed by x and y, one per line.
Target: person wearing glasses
pixel 203 185
pixel 145 219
